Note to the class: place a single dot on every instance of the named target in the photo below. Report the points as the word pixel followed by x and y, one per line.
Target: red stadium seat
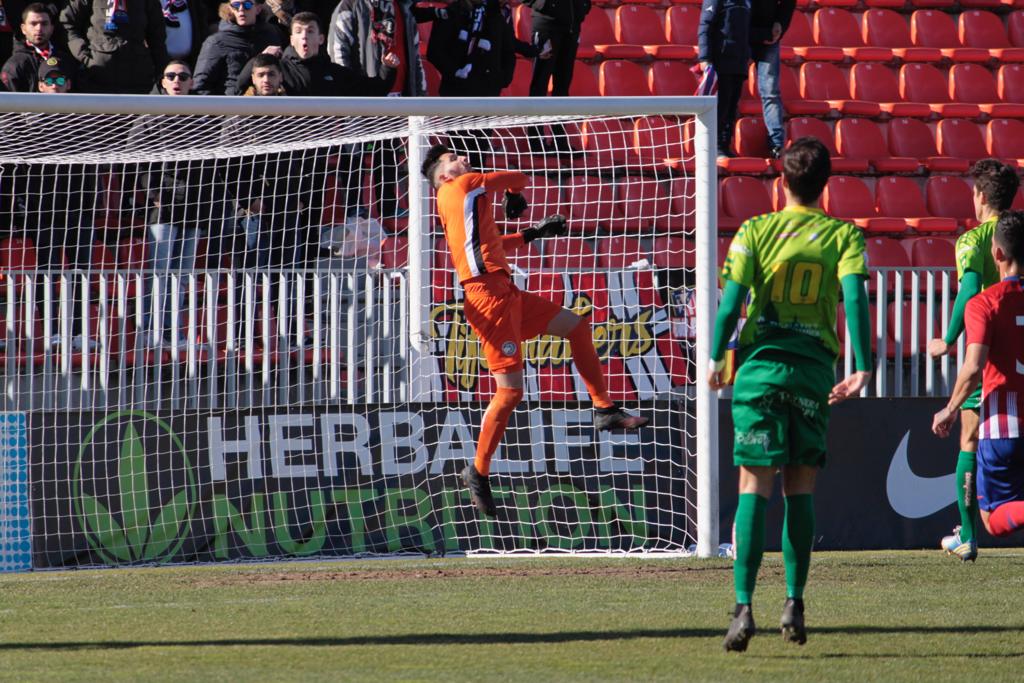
pixel 521 77
pixel 642 203
pixel 1010 83
pixel 959 138
pixel 683 206
pixel 744 197
pixel 884 252
pixel 838 28
pixel 913 138
pixel 931 4
pixel 671 78
pixel 925 83
pixel 974 83
pixel 681 24
pixel 544 197
pixel 640 25
pixel 886 28
pixel 778 194
pixel 902 197
pixel 931 252
pixel 524 23
pixel 799 39
pixel 751 137
pixel 584 81
pixel 850 199
pixel 931 28
pixel 674 252
pixel 1015 28
pixel 598 37
pixel 1006 139
pixel 951 197
pixel 433 78
pixel 394 252
pixel 619 78
pixel 985 30
pixel 803 126
pixel 789 85
pixel 590 202
pixel 862 139
pixel 620 252
pixel 526 257
pixel 823 81
pixel 569 255
pixel 660 142
pixel 877 83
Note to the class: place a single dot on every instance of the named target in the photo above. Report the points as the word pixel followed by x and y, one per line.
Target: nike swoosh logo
pixel 913 496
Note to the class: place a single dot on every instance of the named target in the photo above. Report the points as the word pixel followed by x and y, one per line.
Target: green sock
pixel 749 539
pixel 966 494
pixel 797 539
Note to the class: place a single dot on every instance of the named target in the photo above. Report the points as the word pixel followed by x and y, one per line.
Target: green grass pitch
pixel 885 616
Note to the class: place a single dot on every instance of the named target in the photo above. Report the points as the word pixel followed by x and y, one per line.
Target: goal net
pixel 233 331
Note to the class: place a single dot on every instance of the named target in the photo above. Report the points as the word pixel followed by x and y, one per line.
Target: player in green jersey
pixel 793 263
pixel 995 185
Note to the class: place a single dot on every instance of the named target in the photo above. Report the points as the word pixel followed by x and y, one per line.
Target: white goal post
pixel 611 152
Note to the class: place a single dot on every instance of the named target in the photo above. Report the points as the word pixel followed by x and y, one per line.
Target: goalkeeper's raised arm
pixel 502 315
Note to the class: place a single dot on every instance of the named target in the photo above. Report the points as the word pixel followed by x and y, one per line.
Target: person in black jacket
pixel 120 44
pixel 306 70
pixel 20 72
pixel 243 33
pixel 768 23
pixel 470 48
pixel 186 27
pixel 559 22
pixel 724 43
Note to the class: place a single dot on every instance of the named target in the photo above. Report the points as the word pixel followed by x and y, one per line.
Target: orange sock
pixel 584 355
pixel 499 410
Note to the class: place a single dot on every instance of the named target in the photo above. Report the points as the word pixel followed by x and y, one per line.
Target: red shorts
pixel 503 316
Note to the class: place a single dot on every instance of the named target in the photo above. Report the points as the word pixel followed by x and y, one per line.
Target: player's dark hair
pixel 35 8
pixel 1009 235
pixel 263 60
pixel 431 160
pixel 997 183
pixel 807 165
pixel 305 18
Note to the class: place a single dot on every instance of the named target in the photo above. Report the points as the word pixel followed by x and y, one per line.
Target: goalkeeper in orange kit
pixel 501 314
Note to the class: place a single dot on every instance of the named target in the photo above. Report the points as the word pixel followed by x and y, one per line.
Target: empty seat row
pixel 902 145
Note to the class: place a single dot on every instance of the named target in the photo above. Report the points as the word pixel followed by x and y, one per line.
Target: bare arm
pixel 966 382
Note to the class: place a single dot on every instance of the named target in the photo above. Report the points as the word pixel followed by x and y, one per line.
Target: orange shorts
pixel 503 316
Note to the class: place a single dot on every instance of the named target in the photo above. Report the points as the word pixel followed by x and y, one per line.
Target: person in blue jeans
pixel 724 43
pixel 769 20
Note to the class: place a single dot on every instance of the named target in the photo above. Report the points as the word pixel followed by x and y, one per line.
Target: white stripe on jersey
pixel 990 417
pixel 1000 406
pixel 1013 421
pixel 472 230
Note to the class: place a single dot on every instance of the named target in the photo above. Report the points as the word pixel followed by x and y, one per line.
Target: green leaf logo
pixel 134 489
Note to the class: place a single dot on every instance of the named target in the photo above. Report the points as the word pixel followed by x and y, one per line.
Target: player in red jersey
pixel 995 356
pixel 500 313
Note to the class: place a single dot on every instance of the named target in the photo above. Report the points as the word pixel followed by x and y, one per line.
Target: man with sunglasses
pixel 20 72
pixel 54 76
pixel 177 79
pixel 244 32
pixel 120 44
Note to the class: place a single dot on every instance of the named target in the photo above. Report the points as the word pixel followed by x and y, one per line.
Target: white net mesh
pixel 207 321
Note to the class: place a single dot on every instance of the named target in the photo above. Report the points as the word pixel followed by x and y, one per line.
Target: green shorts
pixel 973 401
pixel 780 413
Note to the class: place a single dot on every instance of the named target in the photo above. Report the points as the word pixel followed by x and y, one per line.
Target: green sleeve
pixel 970 285
pixel 728 313
pixel 858 320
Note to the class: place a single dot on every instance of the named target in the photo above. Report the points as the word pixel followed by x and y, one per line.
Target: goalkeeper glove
pixel 514 204
pixel 552 226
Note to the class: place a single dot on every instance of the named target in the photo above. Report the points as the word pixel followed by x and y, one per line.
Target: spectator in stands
pixel 379 39
pixel 306 70
pixel 186 28
pixel 724 37
pixel 20 72
pixel 556 28
pixel 121 44
pixel 54 75
pixel 267 77
pixel 243 32
pixel 471 49
pixel 769 21
pixel 176 80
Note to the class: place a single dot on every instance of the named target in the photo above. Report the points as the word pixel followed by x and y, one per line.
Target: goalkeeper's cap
pixel 431 160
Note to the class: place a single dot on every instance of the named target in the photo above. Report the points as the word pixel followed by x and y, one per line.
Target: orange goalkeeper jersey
pixel 464 205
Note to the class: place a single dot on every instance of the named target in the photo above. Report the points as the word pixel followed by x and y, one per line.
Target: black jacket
pixel 320 77
pixel 20 73
pixel 765 13
pixel 566 13
pixel 490 51
pixel 125 60
pixel 724 35
pixel 350 44
pixel 225 53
